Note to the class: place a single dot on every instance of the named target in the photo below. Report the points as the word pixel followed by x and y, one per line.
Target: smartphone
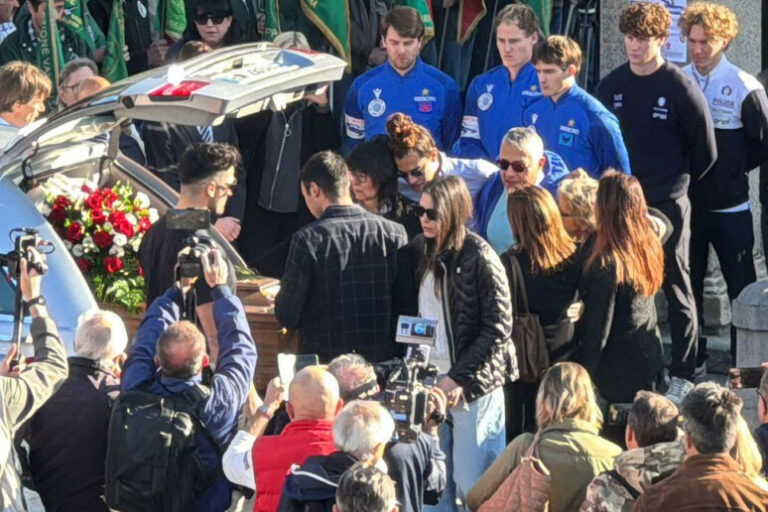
pixel 739 378
pixel 190 219
pixel 618 414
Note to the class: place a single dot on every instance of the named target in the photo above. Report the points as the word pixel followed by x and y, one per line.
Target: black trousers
pixel 732 237
pixel 683 325
pixel 520 406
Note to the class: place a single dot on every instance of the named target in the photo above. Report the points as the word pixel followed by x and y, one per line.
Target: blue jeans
pixel 478 429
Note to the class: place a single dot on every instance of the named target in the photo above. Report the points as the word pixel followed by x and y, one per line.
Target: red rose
pixel 58 215
pixel 124 227
pixel 108 196
pixel 83 265
pixel 98 217
pixel 62 202
pixel 141 271
pixel 74 232
pixel 116 216
pixel 103 240
pixel 113 264
pixel 144 224
pixel 85 188
pixel 93 202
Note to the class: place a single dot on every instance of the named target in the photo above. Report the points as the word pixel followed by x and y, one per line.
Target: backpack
pixel 152 461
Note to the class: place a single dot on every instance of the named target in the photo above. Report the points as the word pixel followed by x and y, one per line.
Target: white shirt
pixel 237 461
pixel 431 307
pixel 6 29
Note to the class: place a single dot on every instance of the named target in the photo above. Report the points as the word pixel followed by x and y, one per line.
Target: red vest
pixel 274 455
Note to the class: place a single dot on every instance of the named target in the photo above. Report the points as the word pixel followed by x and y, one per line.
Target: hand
pixel 229 227
pixel 575 311
pixel 9 368
pixel 261 24
pixel 186 284
pixel 275 395
pixel 437 406
pixel 453 391
pixel 98 55
pixel 117 363
pixel 215 271
pixel 29 281
pixel 252 403
pixel 321 100
pixel 156 53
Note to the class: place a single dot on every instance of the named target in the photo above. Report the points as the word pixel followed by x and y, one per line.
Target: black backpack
pixel 153 462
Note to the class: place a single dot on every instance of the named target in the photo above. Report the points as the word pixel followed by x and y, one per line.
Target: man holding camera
pixel 24 393
pixel 207 173
pixel 177 349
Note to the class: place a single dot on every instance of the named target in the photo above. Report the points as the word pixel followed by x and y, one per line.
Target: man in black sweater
pixel 720 201
pixel 669 132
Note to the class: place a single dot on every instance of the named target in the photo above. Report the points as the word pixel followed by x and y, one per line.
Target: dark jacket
pixel 705 482
pixel 56 438
pixel 19 45
pixel 418 470
pixel 165 142
pixel 137 33
pixel 402 210
pixel 235 35
pixel 618 336
pixel 21 396
pixel 761 436
pixel 230 384
pixel 763 77
pixel 338 284
pixel 312 487
pixel 549 297
pixel 475 296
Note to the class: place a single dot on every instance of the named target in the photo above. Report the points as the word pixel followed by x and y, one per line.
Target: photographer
pixel 207 173
pixel 177 349
pixel 24 393
pixel 418 468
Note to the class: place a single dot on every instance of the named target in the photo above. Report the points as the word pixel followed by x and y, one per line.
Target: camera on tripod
pixel 407 391
pixel 25 238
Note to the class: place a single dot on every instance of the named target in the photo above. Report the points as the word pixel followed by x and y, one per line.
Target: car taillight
pixel 175 92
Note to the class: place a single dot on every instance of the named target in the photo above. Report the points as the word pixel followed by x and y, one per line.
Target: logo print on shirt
pixel 727 91
pixel 532 91
pixel 425 101
pixel 534 118
pixel 485 100
pixel 659 111
pixel 618 101
pixel 661 101
pixel 377 107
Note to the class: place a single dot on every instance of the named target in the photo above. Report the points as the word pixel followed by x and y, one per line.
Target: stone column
pixel 750 317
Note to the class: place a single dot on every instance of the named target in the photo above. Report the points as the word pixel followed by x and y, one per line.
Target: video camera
pixel 25 239
pixel 406 394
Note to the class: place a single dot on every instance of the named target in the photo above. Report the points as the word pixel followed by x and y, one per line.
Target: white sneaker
pixel 700 374
pixel 678 388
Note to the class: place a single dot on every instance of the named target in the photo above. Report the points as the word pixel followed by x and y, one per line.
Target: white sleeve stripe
pixel 470 127
pixel 354 127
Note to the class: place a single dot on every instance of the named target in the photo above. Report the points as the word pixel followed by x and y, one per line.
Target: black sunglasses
pixel 517 166
pixel 416 172
pixel 217 19
pixel 431 213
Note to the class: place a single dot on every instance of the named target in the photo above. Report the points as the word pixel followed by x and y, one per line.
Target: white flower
pixel 153 215
pixel 142 200
pixel 78 250
pixel 119 239
pixel 135 244
pixel 116 251
pixel 117 205
pixel 132 219
pixel 44 208
pixel 88 244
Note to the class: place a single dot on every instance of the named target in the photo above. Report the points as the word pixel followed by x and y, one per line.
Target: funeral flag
pixel 331 17
pixel 171 19
pixel 51 57
pixel 470 14
pixel 425 11
pixel 114 67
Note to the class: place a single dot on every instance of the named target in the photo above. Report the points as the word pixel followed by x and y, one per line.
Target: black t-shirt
pixel 158 254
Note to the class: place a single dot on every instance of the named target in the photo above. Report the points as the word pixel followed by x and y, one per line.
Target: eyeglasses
pixel 358 178
pixel 420 211
pixel 517 166
pixel 416 172
pixel 217 19
pixel 74 88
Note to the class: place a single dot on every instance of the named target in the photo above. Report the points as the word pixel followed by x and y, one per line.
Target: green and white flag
pixel 50 56
pixel 426 16
pixel 79 20
pixel 331 17
pixel 171 19
pixel 114 68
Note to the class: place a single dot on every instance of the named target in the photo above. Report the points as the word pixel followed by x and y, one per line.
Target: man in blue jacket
pixel 570 121
pixel 496 99
pixel 185 358
pixel 402 84
pixel 522 162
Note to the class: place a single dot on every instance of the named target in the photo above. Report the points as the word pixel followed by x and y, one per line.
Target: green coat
pixel 18 45
pixel 573 452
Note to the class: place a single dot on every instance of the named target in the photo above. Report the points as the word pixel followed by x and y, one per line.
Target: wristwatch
pixel 37 301
pixel 265 411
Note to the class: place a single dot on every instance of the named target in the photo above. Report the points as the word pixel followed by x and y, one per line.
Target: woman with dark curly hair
pixel 373 176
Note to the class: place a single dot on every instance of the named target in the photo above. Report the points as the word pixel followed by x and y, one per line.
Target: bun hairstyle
pixel 408 138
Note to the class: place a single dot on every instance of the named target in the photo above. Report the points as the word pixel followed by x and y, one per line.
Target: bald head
pixel 314 395
pixel 180 350
pixel 91 86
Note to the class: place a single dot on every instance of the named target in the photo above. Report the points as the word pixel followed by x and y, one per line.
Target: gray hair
pixel 100 335
pixel 527 141
pixel 352 372
pixel 710 417
pixel 291 39
pixel 73 65
pixel 361 426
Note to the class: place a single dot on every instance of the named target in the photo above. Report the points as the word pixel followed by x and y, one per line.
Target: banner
pixel 331 17
pixel 76 17
pixel 114 68
pixel 425 11
pixel 50 56
pixel 271 20
pixel 470 14
pixel 171 19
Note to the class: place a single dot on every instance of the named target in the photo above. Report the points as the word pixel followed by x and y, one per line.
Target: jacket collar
pixel 720 69
pixel 709 463
pixel 337 210
pixel 571 424
pixel 416 67
pixel 308 426
pixel 88 364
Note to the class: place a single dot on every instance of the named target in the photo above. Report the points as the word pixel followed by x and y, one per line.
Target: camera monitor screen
pixel 414 330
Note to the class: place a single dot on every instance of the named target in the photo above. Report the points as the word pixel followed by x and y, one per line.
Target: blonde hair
pixel 716 20
pixel 579 192
pixel 746 452
pixel 566 392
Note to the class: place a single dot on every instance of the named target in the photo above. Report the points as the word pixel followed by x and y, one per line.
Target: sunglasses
pixel 431 213
pixel 517 166
pixel 416 172
pixel 217 19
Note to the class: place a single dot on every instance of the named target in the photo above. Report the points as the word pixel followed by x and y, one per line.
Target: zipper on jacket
pixel 286 133
pixel 447 312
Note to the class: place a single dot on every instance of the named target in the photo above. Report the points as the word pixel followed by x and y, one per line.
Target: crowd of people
pixel 533 220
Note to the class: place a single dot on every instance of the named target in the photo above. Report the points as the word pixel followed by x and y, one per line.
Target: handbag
pixel 527 331
pixel 526 489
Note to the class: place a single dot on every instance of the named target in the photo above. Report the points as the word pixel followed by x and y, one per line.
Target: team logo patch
pixel 659 110
pixel 618 101
pixel 661 101
pixel 485 100
pixel 377 107
pixel 566 139
pixel 425 101
pixel 534 118
pixel 726 91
